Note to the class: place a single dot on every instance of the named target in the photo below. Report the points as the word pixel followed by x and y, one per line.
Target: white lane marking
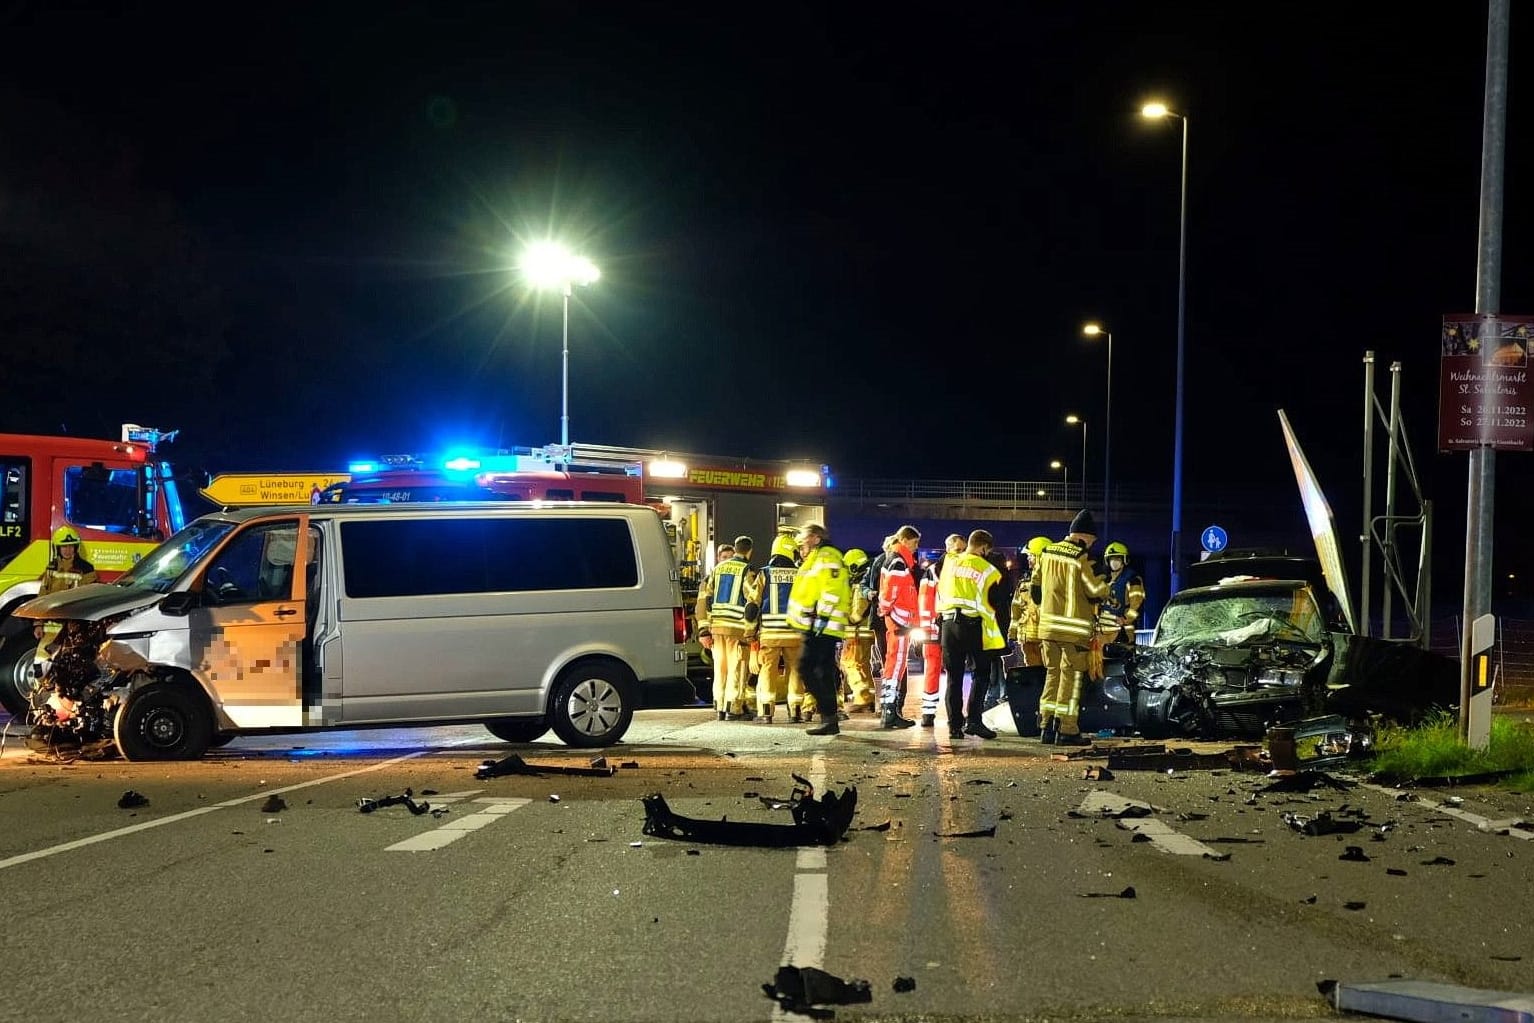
pixel 1514 826
pixel 1167 840
pixel 453 830
pixel 809 911
pixel 105 836
pixel 814 857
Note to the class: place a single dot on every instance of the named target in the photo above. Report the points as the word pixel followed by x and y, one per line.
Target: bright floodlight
pixel 802 478
pixel 669 469
pixel 1154 110
pixel 551 265
pixel 1093 329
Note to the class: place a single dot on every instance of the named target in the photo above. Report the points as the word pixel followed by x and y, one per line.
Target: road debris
pixel 1354 854
pixel 1097 774
pixel 1322 823
pixel 904 984
pixel 273 804
pixel 1127 893
pixel 820 821
pixel 405 800
pixel 514 764
pixel 1307 781
pixel 989 832
pixel 131 799
pixel 801 988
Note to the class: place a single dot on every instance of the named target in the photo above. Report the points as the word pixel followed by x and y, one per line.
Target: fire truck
pixel 115 494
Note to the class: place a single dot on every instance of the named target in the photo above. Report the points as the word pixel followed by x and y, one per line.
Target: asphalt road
pixel 515 905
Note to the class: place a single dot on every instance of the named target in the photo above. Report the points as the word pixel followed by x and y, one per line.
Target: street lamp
pixel 1065 478
pixel 1160 111
pixel 1075 420
pixel 1098 330
pixel 551 265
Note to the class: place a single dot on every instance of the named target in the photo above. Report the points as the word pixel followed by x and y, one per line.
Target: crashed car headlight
pixel 125 653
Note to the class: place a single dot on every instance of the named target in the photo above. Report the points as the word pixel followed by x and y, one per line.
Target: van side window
pixel 413 557
pixel 254 567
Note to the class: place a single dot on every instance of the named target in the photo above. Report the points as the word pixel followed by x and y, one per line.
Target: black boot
pixel 979 729
pixel 1048 733
pixel 893 720
pixel 1062 739
pixel 828 725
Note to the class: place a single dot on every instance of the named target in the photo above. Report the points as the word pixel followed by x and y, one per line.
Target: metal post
pixel 1107 434
pixel 1481 488
pixel 564 389
pixel 1388 547
pixel 1182 267
pixel 1363 534
pixel 1083 463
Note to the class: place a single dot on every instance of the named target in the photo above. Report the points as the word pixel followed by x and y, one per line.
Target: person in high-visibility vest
pixel 1120 610
pixel 859 640
pixel 817 607
pixel 778 643
pixel 970 632
pixel 1066 588
pixel 725 603
pixel 66 570
pixel 898 599
pixel 931 629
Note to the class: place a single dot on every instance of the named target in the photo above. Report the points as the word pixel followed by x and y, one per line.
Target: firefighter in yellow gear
pixel 817 606
pixel 969 632
pixel 66 570
pixel 779 644
pixel 1024 630
pixel 1120 609
pixel 725 605
pixel 1065 588
pixel 857 645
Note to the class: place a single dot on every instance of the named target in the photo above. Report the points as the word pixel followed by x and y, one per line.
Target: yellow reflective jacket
pixel 820 598
pixel 1066 589
pixel 965 588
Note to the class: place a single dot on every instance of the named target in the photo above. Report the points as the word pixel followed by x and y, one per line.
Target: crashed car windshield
pixel 160 569
pixel 1230 615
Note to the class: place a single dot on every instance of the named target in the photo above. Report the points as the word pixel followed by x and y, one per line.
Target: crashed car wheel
pixel 593 704
pixel 16 679
pixel 163 722
pixel 517 729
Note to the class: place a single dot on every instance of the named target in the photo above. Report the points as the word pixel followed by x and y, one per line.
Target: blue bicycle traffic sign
pixel 1214 539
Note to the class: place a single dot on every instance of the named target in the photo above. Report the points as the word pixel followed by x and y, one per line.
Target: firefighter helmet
pixel 856 560
pixel 785 545
pixel 1037 544
pixel 1116 549
pixel 64 535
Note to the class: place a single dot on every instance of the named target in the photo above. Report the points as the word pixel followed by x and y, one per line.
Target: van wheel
pixel 593 704
pixel 163 722
pixel 16 679
pixel 517 729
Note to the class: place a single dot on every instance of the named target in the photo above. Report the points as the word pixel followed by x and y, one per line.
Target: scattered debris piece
pixel 1423 999
pixel 1322 823
pixel 904 984
pixel 553 798
pixel 1354 854
pixel 885 826
pixel 1097 774
pixel 801 988
pixel 989 832
pixel 1395 871
pixel 131 799
pixel 1307 781
pixel 438 812
pixel 629 763
pixel 273 804
pixel 369 805
pixel 1156 757
pixel 514 764
pixel 820 821
pixel 1127 893
pixel 1106 805
pixel 1438 861
pixel 1354 905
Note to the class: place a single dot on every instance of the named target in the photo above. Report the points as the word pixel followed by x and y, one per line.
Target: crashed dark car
pixel 1258 640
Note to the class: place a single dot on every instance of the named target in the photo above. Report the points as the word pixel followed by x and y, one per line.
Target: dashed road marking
pixel 1515 827
pixel 453 830
pixel 1101 804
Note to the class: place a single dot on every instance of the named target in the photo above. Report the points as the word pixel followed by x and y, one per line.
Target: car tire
pixel 593 703
pixel 518 729
pixel 163 721
pixel 16 680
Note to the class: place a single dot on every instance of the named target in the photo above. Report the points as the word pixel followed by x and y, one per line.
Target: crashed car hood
pixel 89 603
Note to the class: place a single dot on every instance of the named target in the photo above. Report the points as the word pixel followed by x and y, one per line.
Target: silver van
pixel 524 617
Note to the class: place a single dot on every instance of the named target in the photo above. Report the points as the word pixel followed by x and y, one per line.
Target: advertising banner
pixel 1483 388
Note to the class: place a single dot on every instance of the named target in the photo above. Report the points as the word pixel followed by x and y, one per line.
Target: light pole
pixel 1065 478
pixel 1160 111
pixel 1075 420
pixel 1098 330
pixel 551 265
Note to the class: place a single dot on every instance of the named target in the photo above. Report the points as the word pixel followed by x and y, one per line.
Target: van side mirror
pixel 179 603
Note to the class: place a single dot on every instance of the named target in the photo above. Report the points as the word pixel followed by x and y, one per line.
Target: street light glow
pixel 1092 329
pixel 1055 464
pixel 552 265
pixel 1073 419
pixel 1155 110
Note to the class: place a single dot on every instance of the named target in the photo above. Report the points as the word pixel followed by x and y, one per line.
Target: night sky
pixel 838 232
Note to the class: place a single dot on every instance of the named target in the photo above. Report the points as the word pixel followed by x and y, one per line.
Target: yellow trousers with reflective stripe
pixel 1065 665
pixel 730 675
pixel 855 669
pixel 779 678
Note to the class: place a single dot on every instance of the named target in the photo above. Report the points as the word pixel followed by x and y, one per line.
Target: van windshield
pixel 161 567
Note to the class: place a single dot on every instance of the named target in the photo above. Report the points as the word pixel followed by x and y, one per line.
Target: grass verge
pixel 1433 749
